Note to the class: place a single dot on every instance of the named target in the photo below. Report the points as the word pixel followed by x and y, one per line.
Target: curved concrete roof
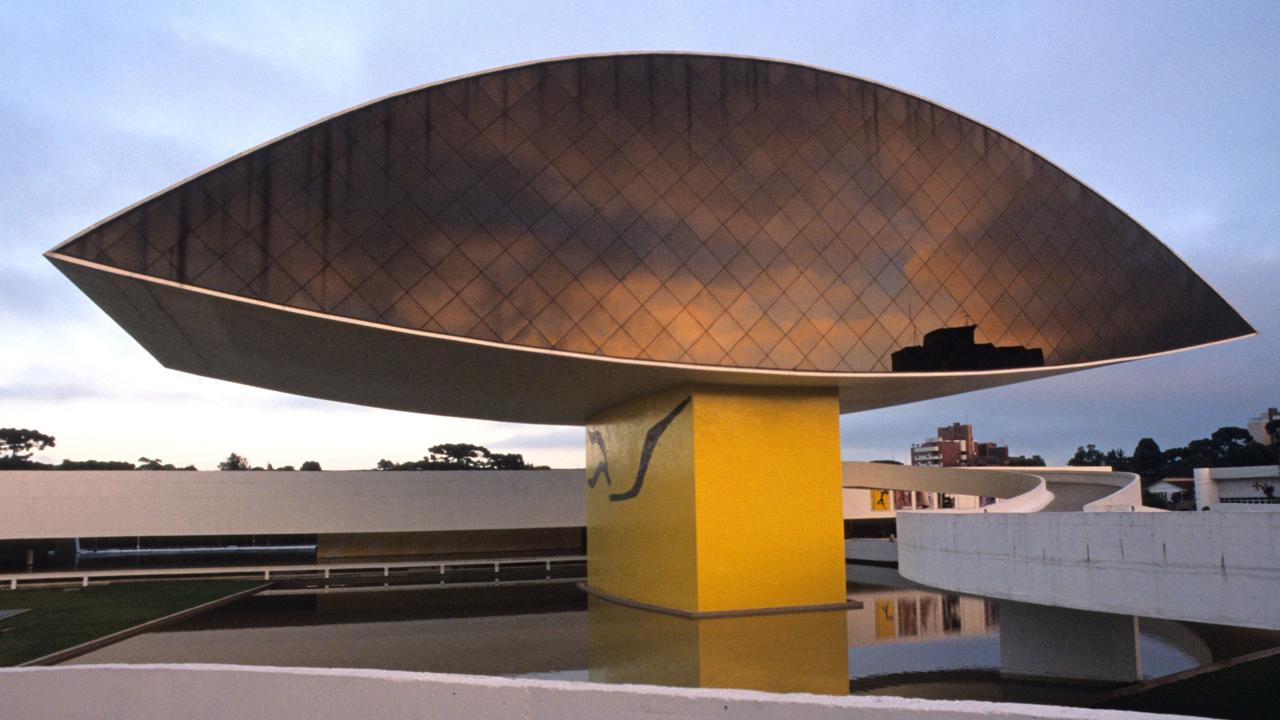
pixel 597 226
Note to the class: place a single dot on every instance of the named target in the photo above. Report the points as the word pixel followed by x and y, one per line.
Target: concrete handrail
pixel 234 692
pixel 1016 490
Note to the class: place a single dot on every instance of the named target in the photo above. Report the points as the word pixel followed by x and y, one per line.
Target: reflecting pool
pixel 901 639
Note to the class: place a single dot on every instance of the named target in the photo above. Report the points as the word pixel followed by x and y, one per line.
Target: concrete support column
pixel 1039 641
pixel 713 499
pixel 1206 488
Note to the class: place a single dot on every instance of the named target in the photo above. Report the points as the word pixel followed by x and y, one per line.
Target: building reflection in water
pixel 904 615
pixel 544 632
pixel 794 652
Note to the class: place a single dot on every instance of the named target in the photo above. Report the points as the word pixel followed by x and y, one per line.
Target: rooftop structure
pixel 1258 425
pixel 954 446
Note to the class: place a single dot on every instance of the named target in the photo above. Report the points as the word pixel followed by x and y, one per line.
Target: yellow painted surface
pixel 880 500
pixel 796 652
pixel 643 548
pixel 770 505
pixel 799 652
pixel 886 625
pixel 741 507
pixel 626 645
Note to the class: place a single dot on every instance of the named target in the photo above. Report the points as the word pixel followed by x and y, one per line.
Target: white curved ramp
pixel 1083 540
pixel 1015 490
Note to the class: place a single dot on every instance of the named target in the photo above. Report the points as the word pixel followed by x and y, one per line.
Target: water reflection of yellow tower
pixel 793 652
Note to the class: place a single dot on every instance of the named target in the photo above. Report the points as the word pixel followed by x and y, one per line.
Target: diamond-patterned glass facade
pixel 674 208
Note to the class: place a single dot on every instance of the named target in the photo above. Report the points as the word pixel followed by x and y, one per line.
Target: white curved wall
pixel 63 504
pixel 1204 567
pixel 955 481
pixel 230 692
pixel 1016 490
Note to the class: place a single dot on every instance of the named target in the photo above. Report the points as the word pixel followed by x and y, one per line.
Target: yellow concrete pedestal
pixel 708 499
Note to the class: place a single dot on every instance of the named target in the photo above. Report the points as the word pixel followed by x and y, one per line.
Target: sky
pixel 1170 110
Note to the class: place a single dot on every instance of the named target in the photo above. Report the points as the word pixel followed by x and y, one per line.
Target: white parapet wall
pixel 230 692
pixel 65 504
pixel 1016 489
pixel 130 503
pixel 1203 567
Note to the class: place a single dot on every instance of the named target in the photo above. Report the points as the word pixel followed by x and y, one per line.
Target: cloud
pixel 54 392
pixel 323 43
pixel 559 438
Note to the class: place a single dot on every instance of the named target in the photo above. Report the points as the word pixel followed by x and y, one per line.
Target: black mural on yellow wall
pixel 650 443
pixel 602 468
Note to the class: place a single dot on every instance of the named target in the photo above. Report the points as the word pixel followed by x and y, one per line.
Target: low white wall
pixel 871 550
pixel 62 504
pixel 127 503
pixel 228 692
pixel 1204 567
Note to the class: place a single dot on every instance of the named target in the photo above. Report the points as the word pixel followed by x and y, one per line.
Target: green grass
pixel 63 618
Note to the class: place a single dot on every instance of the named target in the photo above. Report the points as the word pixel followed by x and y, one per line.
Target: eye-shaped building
pixel 549 242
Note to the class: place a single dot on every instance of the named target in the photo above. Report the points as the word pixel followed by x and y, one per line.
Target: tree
pixel 1181 461
pixel 1148 459
pixel 94 465
pixel 146 463
pixel 1024 461
pixel 461 454
pixel 1089 455
pixel 1231 447
pixel 310 466
pixel 1273 432
pixel 19 443
pixel 1229 437
pixel 234 462
pixel 1153 500
pixel 1117 460
pixel 506 461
